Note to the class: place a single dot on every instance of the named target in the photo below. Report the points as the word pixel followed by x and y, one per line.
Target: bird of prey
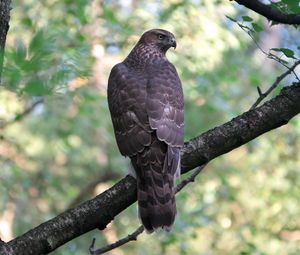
pixel 146 104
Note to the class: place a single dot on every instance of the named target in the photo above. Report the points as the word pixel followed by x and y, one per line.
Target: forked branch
pixel 262 96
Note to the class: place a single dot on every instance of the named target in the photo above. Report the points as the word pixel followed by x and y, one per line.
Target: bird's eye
pixel 160 37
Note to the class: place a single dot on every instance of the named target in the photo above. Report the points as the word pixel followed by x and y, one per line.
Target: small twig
pixel 130 237
pixel 133 236
pixel 21 115
pixel 259 91
pixel 268 54
pixel 274 85
pixel 277 59
pixel 189 179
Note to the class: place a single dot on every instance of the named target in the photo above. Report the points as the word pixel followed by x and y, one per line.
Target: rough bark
pixel 4 26
pixel 242 129
pixel 99 211
pixel 270 13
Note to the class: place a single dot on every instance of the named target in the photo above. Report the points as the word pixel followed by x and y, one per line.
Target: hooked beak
pixel 173 43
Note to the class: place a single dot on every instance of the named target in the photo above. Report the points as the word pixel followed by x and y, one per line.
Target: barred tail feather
pixel 156 210
pixel 156 168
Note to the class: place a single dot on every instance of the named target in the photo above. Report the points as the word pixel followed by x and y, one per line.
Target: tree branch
pixel 242 129
pixel 4 26
pixel 99 211
pixel 22 114
pixel 133 236
pixel 262 96
pixel 271 13
pixel 269 54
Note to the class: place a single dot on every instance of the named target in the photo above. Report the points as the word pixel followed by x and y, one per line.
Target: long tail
pixel 156 168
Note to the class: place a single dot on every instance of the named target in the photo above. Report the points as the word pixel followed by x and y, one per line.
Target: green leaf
pixel 26 21
pixel 247 18
pixel 292 5
pixel 287 52
pixel 20 51
pixel 109 15
pixel 37 42
pixel 13 77
pixel 36 87
pixel 257 27
pixel 41 43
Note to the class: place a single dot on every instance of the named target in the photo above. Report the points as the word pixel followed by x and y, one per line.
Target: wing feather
pixel 165 105
pixel 127 104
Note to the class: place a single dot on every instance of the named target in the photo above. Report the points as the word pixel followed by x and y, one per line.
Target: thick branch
pixel 242 129
pixel 4 25
pixel 271 13
pixel 98 212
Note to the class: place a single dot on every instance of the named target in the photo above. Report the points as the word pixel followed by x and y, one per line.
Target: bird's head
pixel 160 38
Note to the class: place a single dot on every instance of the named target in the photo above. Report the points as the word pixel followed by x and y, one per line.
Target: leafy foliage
pixel 288 6
pixel 62 51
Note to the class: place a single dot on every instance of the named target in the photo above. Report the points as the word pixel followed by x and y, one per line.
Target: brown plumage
pixel 146 104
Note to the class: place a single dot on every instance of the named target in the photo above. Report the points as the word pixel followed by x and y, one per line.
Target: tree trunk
pixel 4 26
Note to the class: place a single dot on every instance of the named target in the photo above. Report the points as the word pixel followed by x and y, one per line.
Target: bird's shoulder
pixel 119 77
pixel 118 70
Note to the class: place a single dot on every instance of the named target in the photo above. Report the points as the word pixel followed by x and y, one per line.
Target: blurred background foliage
pixel 57 146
